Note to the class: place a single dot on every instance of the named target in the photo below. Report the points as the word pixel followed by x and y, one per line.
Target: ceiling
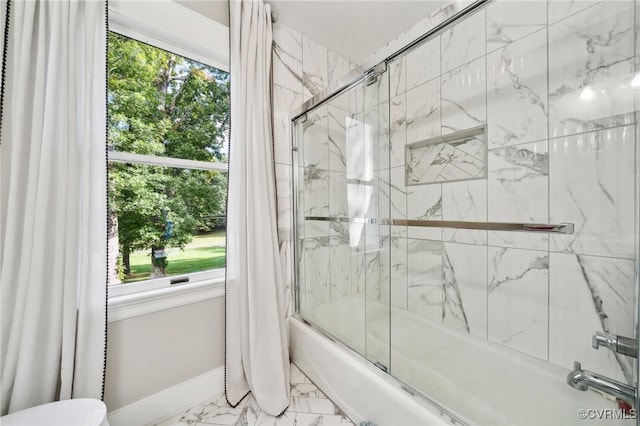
pixel 352 28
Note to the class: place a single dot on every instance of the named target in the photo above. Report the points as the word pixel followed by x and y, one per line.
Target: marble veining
pixel 464 270
pixel 518 183
pixel 592 186
pixel 447 161
pixel 287 58
pixel 423 111
pixel 424 278
pixel 314 67
pixel 591 62
pixel 508 21
pixel 599 294
pixel 463 42
pixel 517 91
pixel 518 299
pixel 464 97
pixel 308 407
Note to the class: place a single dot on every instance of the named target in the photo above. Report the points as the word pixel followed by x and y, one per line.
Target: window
pixel 168 118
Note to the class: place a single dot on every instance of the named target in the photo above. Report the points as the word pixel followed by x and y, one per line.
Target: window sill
pixel 146 302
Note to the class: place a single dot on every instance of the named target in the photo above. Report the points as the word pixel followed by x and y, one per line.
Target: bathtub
pixel 462 379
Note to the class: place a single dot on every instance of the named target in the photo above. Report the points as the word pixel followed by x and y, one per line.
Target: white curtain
pixel 256 350
pixel 53 203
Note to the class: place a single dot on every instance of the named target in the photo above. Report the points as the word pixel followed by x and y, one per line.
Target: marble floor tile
pixel 309 407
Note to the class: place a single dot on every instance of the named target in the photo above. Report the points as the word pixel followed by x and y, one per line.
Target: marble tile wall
pixel 552 83
pixel 332 256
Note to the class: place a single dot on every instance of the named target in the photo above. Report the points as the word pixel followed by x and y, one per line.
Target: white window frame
pixel 169 26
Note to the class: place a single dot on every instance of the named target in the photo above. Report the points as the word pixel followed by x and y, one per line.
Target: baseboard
pixel 170 401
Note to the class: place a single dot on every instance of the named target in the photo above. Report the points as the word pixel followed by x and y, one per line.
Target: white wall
pixel 150 353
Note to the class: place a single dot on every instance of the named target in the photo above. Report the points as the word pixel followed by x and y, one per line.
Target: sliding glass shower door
pixel 341 245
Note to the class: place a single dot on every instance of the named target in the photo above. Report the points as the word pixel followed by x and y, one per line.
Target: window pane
pixel 164 104
pixel 165 221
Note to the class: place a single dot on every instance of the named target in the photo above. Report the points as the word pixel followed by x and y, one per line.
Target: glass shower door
pixel 338 243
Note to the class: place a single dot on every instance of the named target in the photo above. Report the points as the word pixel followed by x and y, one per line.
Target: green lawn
pixel 204 252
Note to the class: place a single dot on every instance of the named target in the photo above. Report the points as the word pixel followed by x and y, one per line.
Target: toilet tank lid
pixel 69 412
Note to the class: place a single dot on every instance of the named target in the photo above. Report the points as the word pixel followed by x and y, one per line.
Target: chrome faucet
pixel 620 344
pixel 584 379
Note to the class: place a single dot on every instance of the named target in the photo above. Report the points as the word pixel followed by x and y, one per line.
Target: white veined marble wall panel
pixel 287 58
pixel 464 97
pixel 519 183
pixel 509 21
pixel 314 67
pixel 424 278
pixel 517 104
pixel 463 42
pixel 423 111
pixel 518 299
pixel 423 63
pixel 591 65
pixel 424 202
pixel 589 294
pixel 593 186
pixel 465 201
pixel 465 287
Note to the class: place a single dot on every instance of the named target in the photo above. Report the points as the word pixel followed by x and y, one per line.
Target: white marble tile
pixel 464 201
pixel 464 97
pixel 338 193
pixel 397 130
pixel 589 294
pixel 217 414
pixel 340 261
pixel 592 186
pixel 424 278
pixel 424 202
pixel 284 101
pixel 315 192
pixel 285 207
pixel 359 145
pixel 337 67
pixel 518 183
pixel 287 57
pixel 397 76
pixel 523 240
pixel 297 376
pixel 317 255
pixel 464 42
pixel 314 67
pixel 561 9
pixel 591 65
pixel 508 21
pixel 312 405
pixel 315 139
pixel 517 92
pixel 398 192
pixel 393 270
pixel 252 415
pixel 518 299
pixel 384 140
pixel 423 63
pixel 447 161
pixel 423 111
pixel 310 419
pixel 465 287
pixel 337 138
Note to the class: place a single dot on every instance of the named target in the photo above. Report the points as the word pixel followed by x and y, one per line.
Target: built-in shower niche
pixel 456 156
